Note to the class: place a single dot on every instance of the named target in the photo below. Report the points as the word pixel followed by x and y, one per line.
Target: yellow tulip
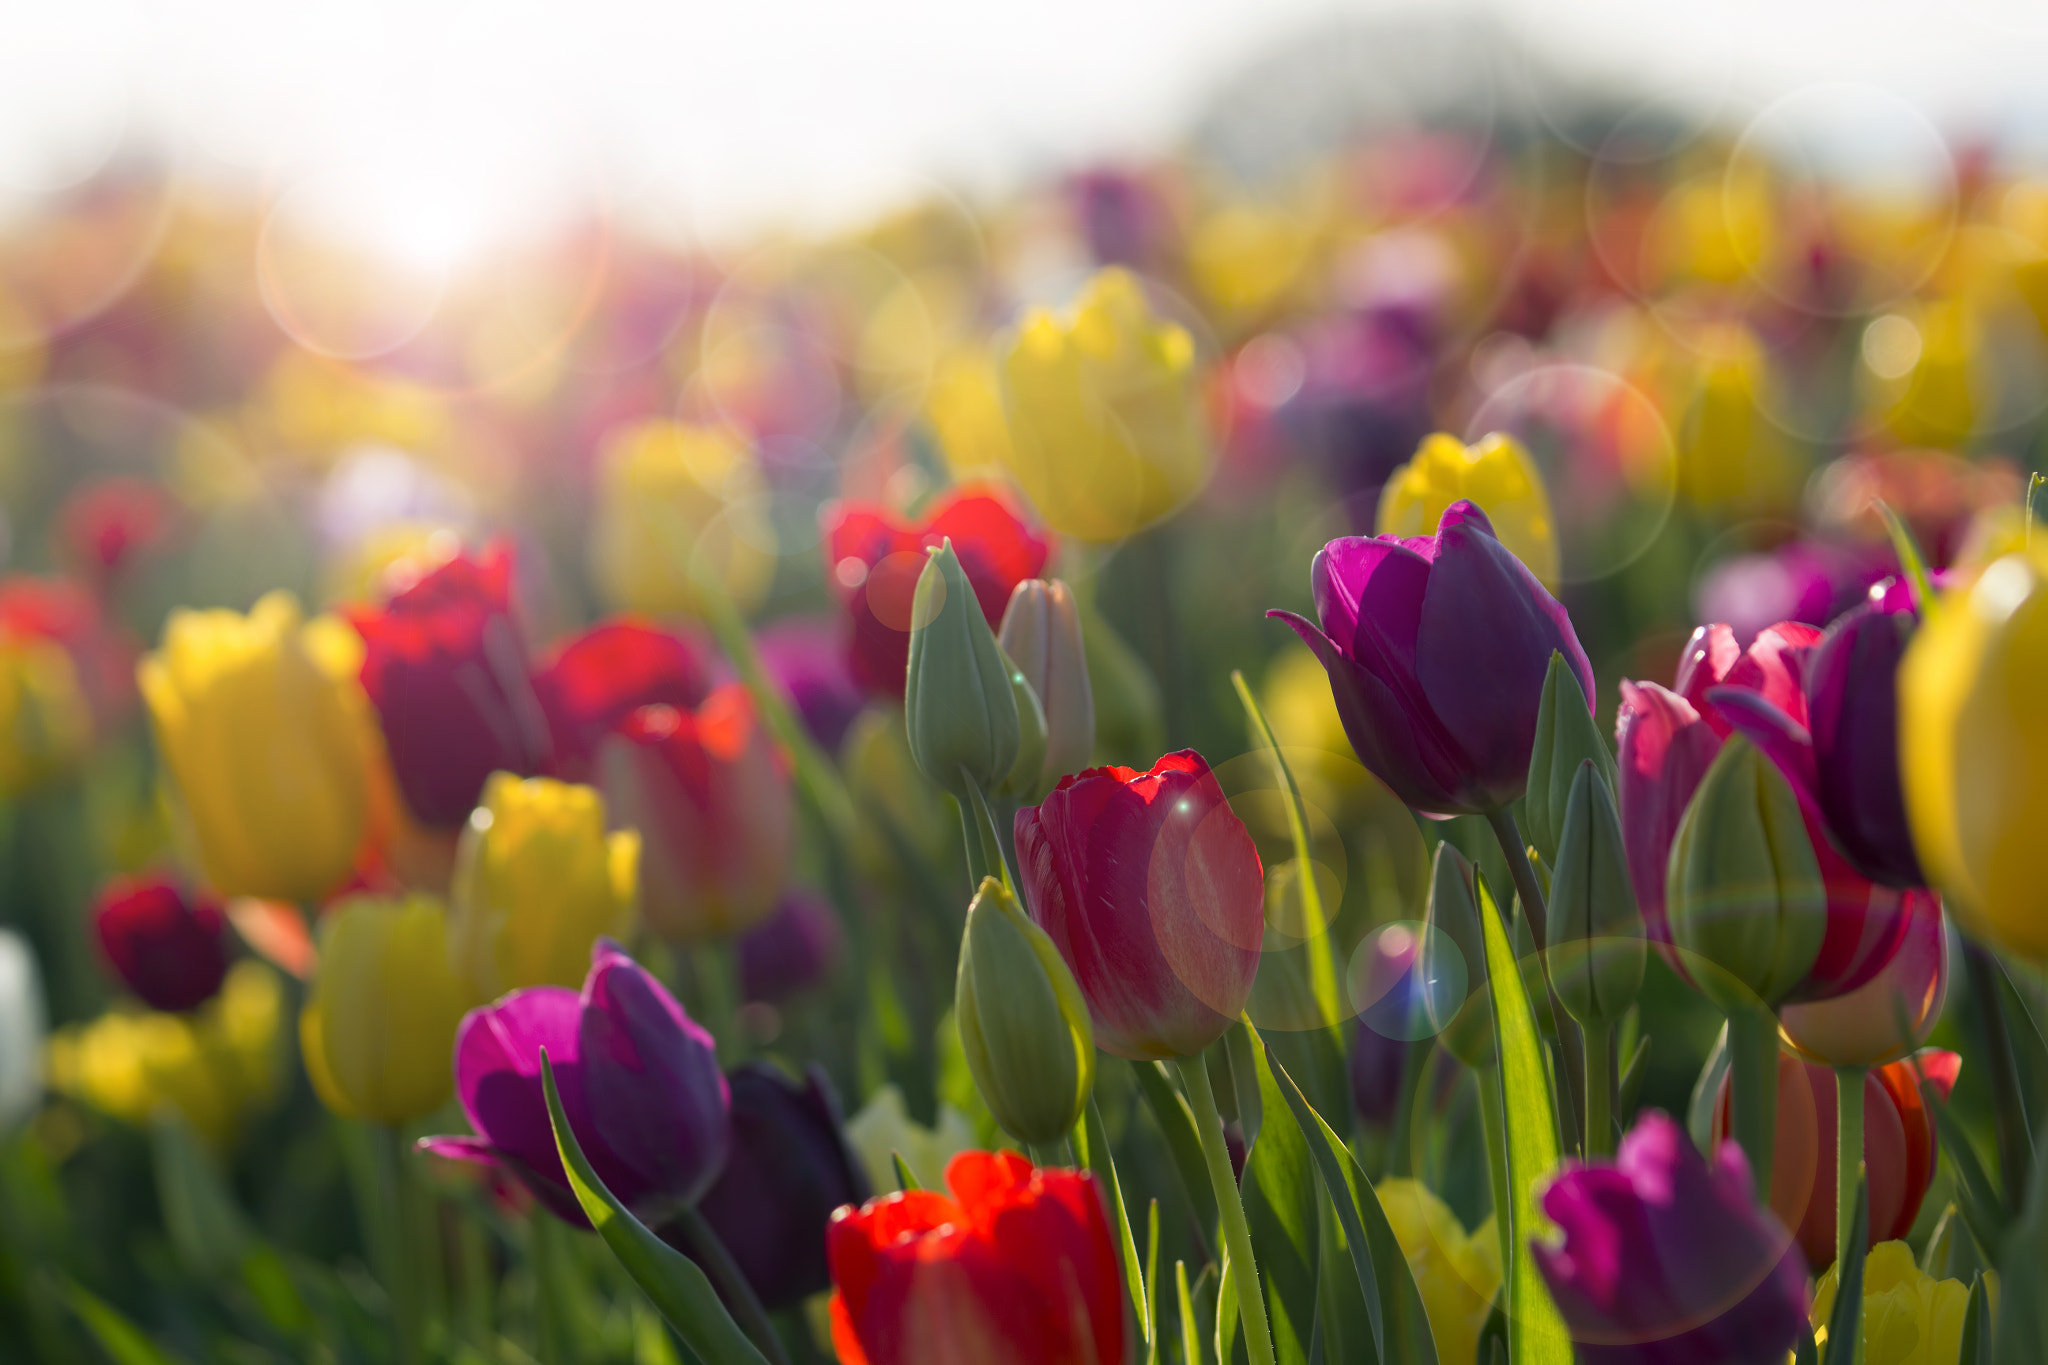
pixel 45 721
pixel 676 501
pixel 1973 749
pixel 378 1032
pixel 1497 475
pixel 259 718
pixel 1456 1272
pixel 965 412
pixel 1731 456
pixel 1246 259
pixel 537 880
pixel 1933 399
pixel 1909 1317
pixel 1107 433
pixel 214 1066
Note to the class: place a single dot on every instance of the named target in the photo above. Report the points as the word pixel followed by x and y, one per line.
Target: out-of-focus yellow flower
pixel 1994 532
pixel 1107 432
pixel 260 719
pixel 215 1066
pixel 1245 258
pixel 1297 701
pixel 1497 474
pixel 1909 1317
pixel 318 406
pixel 537 880
pixel 408 548
pixel 1457 1273
pixel 22 352
pixel 894 803
pixel 1715 227
pixel 1923 363
pixel 675 501
pixel 965 412
pixel 45 720
pixel 883 1129
pixel 1973 749
pixel 378 1032
pixel 1731 457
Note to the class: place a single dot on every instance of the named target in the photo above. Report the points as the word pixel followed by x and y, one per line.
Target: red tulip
pixel 1899 1146
pixel 592 682
pixel 103 654
pixel 171 949
pixel 1152 890
pixel 1016 1268
pixel 710 794
pixel 874 561
pixel 108 524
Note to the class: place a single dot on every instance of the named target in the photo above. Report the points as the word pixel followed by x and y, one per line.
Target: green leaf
pixel 906 1179
pixel 1911 560
pixel 1177 1124
pixel 1535 1327
pixel 1280 1205
pixel 2022 1334
pixel 122 1340
pixel 207 1230
pixel 1100 1160
pixel 1706 1092
pixel 1151 1324
pixel 1244 1083
pixel 1976 1195
pixel 1631 1088
pixel 1976 1347
pixel 669 1278
pixel 1845 1323
pixel 1190 1324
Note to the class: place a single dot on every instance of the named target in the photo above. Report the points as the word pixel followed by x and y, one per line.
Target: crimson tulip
pixel 874 560
pixel 1016 1267
pixel 168 947
pixel 590 683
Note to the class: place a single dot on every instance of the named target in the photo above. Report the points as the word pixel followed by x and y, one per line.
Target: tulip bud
pixel 1565 737
pixel 1452 927
pixel 1041 633
pixel 1023 1023
pixel 1743 891
pixel 1023 777
pixel 1596 932
pixel 962 714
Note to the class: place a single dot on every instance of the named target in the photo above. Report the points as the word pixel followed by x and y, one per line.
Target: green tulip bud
pixel 1596 931
pixel 1041 632
pixel 1023 777
pixel 1743 889
pixel 1451 925
pixel 1024 1025
pixel 957 698
pixel 1565 737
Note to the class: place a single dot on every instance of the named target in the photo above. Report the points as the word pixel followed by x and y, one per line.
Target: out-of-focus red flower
pixel 1016 1268
pixel 873 561
pixel 168 947
pixel 445 664
pixel 103 654
pixel 590 683
pixel 108 524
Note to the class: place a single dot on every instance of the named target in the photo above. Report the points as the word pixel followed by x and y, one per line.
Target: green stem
pixel 1050 1153
pixel 1753 1067
pixel 977 859
pixel 2015 1145
pixel 401 1276
pixel 1237 1234
pixel 473 1271
pixel 710 1253
pixel 554 1343
pixel 1493 1126
pixel 1848 1153
pixel 982 824
pixel 1599 1040
pixel 1573 1107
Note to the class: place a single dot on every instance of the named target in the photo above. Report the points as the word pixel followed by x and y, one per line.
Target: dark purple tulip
pixel 1852 708
pixel 806 656
pixel 639 1081
pixel 1665 1260
pixel 1436 648
pixel 788 1171
pixel 1386 979
pixel 170 948
pixel 792 950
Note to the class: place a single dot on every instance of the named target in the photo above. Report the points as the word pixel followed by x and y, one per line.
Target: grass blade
pixel 1103 1164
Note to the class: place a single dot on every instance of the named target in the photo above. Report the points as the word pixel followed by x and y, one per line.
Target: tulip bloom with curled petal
pixel 1887 1016
pixel 1853 715
pixel 590 683
pixel 1664 1258
pixel 1437 648
pixel 639 1082
pixel 167 946
pixel 710 794
pixel 1497 474
pixel 1152 890
pixel 260 722
pixel 1015 1267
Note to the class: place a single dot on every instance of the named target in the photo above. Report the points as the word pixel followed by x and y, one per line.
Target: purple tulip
pixel 1666 1260
pixel 1436 648
pixel 639 1082
pixel 806 656
pixel 1853 713
pixel 792 950
pixel 788 1171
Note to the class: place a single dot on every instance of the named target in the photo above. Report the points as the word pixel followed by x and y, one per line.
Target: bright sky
pixel 421 122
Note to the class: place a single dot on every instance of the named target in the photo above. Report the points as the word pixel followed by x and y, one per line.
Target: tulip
pixel 260 722
pixel 1565 737
pixel 710 795
pixel 168 947
pixel 45 724
pixel 639 1083
pixel 1016 1267
pixel 1899 1146
pixel 1497 475
pixel 23 1022
pixel 677 504
pixel 590 683
pixel 1908 1316
pixel 875 562
pixel 445 665
pixel 958 702
pixel 1457 1273
pixel 1664 1257
pixel 60 612
pixel 964 410
pixel 1596 932
pixel 1023 1024
pixel 1852 704
pixel 1106 423
pixel 1041 635
pixel 215 1066
pixel 1973 751
pixel 1889 1015
pixel 537 881
pixel 383 1010
pixel 1732 457
pixel 792 950
pixel 804 657
pixel 1386 984
pixel 1437 649
pixel 789 1167
pixel 1152 890
pixel 109 524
